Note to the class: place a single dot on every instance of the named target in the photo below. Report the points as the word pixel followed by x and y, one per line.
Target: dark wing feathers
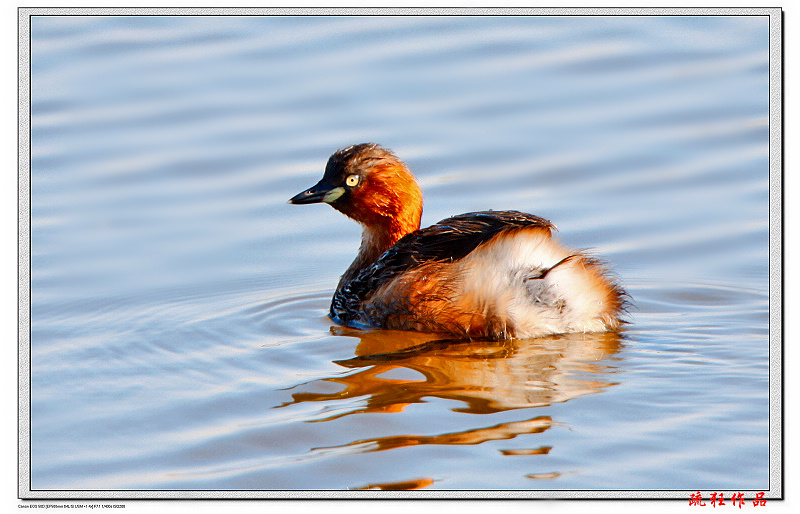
pixel 447 241
pixel 453 238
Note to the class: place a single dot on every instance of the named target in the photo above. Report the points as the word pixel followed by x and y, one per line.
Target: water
pixel 179 338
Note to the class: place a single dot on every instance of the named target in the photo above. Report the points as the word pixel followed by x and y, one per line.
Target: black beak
pixel 313 194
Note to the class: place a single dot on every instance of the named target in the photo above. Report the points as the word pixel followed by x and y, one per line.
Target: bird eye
pixel 352 180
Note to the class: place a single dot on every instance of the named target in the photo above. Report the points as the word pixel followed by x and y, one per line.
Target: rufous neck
pixel 377 238
pixel 388 205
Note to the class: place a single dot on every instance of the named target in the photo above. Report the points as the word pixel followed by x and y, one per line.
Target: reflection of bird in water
pixel 475 436
pixel 406 485
pixel 493 274
pixel 401 368
pixel 398 369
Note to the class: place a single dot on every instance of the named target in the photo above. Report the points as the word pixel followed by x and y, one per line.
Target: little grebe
pixel 493 274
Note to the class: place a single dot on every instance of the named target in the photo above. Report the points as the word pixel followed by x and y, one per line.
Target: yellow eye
pixel 352 180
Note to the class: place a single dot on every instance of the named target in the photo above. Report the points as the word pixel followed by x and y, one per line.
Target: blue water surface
pixel 179 338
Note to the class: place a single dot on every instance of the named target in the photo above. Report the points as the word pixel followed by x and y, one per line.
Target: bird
pixel 491 275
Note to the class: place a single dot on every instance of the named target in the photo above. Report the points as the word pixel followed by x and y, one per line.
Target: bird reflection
pixel 474 436
pixel 392 370
pixel 407 485
pixel 396 369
